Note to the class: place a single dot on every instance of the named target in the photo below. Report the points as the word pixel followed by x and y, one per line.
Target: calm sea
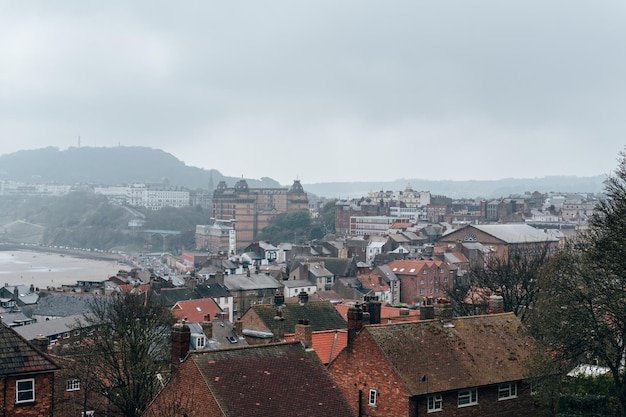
pixel 51 269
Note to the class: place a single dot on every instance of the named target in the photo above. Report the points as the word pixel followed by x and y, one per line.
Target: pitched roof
pixel 513 233
pixel 64 304
pixel 387 314
pixel 412 267
pixel 276 379
pixel 475 351
pixel 326 343
pixel 19 356
pixel 194 310
pixel 50 327
pixel 253 282
pixel 320 314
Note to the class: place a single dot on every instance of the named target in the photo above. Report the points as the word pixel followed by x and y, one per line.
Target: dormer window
pixel 200 342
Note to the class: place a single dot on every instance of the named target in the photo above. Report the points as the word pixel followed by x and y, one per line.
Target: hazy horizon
pixel 324 91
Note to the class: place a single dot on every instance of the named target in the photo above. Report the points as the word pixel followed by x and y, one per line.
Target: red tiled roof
pixel 412 267
pixel 327 344
pixel 373 282
pixel 386 313
pixel 194 310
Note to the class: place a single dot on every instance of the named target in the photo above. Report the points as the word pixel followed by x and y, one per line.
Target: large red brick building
pixel 423 278
pixel 253 208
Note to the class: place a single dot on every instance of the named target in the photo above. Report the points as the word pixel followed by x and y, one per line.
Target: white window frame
pixel 507 391
pixel 200 342
pixel 435 403
pixel 371 398
pixel 72 385
pixel 18 391
pixel 467 397
pixel 66 335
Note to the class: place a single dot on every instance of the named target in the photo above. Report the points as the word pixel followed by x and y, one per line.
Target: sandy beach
pixel 44 269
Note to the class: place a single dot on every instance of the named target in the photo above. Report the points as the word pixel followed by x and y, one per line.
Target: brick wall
pixel 185 393
pixel 363 368
pixel 488 404
pixel 44 394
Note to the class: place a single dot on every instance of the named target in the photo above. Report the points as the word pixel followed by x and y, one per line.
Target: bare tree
pixel 129 347
pixel 514 278
pixel 580 314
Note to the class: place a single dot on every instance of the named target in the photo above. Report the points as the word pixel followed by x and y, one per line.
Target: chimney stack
pixel 427 309
pixel 219 277
pixel 279 299
pixel 41 343
pixel 443 311
pixel 181 337
pixel 374 308
pixel 239 328
pixel 278 331
pixel 304 333
pixel 355 323
pixel 303 298
pixel 207 326
pixel 495 304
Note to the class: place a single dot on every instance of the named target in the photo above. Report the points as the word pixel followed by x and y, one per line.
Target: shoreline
pixel 23 265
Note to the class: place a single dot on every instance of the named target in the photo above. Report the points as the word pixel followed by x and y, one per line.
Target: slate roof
pixel 50 327
pixel 19 356
pixel 476 351
pixel 63 304
pixel 213 290
pixel 514 233
pixel 253 282
pixel 170 296
pixel 322 315
pixel 271 380
pixel 25 296
pixel 340 267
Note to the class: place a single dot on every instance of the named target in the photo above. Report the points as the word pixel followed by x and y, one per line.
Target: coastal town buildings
pixel 251 209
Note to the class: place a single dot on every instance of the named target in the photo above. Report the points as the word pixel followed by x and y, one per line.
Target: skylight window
pixel 412 270
pixel 198 309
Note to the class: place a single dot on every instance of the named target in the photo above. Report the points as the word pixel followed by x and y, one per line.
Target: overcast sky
pixel 323 90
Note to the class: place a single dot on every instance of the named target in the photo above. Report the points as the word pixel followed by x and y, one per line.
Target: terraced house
pixel 466 366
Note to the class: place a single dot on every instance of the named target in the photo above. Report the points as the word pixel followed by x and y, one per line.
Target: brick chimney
pixel 304 333
pixel 443 311
pixel 41 343
pixel 219 277
pixel 427 309
pixel 207 326
pixel 239 328
pixel 279 328
pixel 374 308
pixel 355 323
pixel 181 337
pixel 495 304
